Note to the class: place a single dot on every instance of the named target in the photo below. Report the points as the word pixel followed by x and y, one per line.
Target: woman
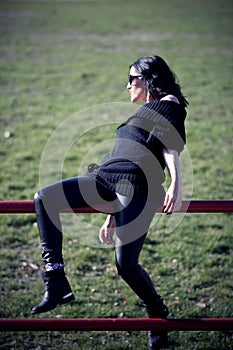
pixel 130 178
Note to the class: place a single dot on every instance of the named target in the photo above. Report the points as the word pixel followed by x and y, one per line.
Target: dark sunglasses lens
pixel 131 77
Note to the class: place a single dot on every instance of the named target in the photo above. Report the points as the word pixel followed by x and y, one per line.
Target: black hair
pixel 160 78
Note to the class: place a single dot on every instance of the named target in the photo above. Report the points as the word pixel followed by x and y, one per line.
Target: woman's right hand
pixel 107 230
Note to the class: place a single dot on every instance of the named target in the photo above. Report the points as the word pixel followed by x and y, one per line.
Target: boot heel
pixel 67 298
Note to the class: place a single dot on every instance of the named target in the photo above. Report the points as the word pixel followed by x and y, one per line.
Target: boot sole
pixel 66 299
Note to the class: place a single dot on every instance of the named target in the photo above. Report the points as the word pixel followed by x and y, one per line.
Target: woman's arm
pixel 173 198
pixel 107 230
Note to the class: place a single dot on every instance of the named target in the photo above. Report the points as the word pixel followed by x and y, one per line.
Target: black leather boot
pixel 57 291
pixel 157 339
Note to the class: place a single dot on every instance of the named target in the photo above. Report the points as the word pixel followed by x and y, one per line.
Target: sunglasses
pixel 132 77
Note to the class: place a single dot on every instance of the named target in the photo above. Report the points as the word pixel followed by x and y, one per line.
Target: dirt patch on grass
pixel 11 18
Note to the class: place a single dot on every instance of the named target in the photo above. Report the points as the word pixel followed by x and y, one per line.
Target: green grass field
pixel 67 61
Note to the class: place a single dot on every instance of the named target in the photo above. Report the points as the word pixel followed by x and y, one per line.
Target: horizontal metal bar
pixel 193 206
pixel 116 324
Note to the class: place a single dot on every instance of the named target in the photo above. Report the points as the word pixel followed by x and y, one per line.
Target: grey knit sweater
pixel 136 163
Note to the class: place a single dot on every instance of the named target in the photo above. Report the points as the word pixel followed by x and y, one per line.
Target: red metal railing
pixel 193 206
pixel 116 324
pixel 112 324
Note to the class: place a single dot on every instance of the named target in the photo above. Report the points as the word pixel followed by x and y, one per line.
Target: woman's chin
pixel 133 99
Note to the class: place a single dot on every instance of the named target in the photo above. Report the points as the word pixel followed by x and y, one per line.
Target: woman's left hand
pixel 173 199
pixel 107 230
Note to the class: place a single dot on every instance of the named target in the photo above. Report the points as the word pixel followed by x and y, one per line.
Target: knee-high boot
pixel 56 291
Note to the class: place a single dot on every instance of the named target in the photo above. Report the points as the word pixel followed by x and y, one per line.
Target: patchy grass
pixel 62 59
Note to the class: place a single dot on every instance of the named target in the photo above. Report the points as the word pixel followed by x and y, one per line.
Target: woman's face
pixel 136 86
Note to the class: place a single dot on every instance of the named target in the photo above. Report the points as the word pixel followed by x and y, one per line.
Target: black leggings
pixel 132 218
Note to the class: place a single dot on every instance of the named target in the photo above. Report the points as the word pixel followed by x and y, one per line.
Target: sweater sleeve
pixel 171 134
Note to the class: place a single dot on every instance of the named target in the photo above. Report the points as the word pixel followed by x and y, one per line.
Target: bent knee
pixel 41 193
pixel 38 200
pixel 36 195
pixel 40 197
